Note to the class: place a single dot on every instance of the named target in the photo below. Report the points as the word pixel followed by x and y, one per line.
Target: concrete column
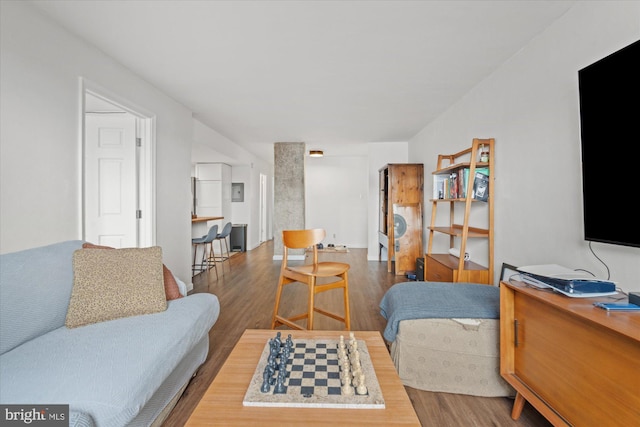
pixel 288 197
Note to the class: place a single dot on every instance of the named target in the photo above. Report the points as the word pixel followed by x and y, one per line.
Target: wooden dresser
pixel 575 363
pixel 400 210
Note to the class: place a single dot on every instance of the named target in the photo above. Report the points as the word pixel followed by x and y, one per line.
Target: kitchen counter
pixel 205 219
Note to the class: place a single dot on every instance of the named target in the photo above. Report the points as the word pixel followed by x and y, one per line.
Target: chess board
pixel 313 379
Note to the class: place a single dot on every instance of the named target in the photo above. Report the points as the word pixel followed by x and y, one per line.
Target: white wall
pixel 336 196
pixel 241 211
pixel 40 176
pixel 210 146
pixel 530 106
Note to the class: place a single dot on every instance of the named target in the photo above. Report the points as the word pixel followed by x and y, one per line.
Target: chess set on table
pixel 320 373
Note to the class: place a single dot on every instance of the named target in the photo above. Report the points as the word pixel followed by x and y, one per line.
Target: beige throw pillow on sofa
pixel 170 284
pixel 117 283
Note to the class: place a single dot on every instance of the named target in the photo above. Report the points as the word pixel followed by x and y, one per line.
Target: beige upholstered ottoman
pixel 450 355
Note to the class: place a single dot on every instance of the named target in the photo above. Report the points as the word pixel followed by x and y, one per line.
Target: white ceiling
pixel 333 74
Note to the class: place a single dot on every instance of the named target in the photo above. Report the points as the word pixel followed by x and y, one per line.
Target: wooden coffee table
pixel 222 402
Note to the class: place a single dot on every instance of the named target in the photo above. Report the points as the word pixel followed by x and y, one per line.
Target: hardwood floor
pixel 247 292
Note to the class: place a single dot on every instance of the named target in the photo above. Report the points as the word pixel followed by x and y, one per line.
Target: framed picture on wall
pixel 237 192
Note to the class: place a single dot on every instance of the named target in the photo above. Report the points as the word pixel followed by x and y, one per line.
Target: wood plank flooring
pixel 247 293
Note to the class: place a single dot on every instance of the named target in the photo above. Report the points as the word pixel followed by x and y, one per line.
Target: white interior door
pixel 111 179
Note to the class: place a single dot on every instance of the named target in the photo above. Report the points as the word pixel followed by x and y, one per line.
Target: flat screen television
pixel 610 143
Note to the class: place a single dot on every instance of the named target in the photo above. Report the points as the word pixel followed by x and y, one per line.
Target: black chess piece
pixel 272 370
pixel 280 388
pixel 289 342
pixel 271 360
pixel 278 339
pixel 266 380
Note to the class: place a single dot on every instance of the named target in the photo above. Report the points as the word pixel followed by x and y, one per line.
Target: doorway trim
pixel 146 161
pixel 263 208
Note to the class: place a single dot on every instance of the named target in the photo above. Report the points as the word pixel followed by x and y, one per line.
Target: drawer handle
pixel 515 332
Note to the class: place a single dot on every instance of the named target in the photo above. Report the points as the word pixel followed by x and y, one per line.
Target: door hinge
pixel 139 142
pixel 138 214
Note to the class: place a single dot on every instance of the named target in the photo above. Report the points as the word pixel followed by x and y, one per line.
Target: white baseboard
pixel 290 257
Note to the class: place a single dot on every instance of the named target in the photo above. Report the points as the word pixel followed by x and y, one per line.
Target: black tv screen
pixel 610 134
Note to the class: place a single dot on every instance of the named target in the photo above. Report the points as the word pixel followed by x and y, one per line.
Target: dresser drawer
pixel 436 272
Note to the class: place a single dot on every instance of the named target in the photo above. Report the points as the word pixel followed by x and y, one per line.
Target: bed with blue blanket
pixel 444 337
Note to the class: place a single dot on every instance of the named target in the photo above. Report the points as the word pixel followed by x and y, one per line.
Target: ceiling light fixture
pixel 316 153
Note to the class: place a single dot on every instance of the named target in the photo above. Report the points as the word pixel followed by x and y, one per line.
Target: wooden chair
pixel 308 274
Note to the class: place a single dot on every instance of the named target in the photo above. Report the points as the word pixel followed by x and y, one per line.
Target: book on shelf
pixel 484 171
pixel 465 183
pixel 481 186
pixel 439 186
pixel 453 187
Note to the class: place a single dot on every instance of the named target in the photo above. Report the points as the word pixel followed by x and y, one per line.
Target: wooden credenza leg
pixel 518 404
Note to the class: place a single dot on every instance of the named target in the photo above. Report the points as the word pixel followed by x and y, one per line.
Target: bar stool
pixel 209 261
pixel 226 231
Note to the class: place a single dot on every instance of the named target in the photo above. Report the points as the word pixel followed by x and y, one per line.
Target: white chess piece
pixel 345 374
pixel 361 388
pixel 355 361
pixel 347 390
pixel 356 371
pixel 357 377
pixel 355 364
pixel 345 378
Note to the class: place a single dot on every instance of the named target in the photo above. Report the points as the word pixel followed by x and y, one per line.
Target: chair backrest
pixel 302 239
pixel 211 235
pixel 226 230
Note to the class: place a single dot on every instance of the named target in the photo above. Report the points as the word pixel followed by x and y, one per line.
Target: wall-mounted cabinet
pixel 400 215
pixel 213 190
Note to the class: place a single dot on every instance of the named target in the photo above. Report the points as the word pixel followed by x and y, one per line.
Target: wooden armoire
pixel 400 223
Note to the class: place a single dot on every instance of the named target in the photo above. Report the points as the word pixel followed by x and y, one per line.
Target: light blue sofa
pixel 123 372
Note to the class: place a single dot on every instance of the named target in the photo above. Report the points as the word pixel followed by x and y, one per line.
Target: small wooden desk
pixel 222 403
